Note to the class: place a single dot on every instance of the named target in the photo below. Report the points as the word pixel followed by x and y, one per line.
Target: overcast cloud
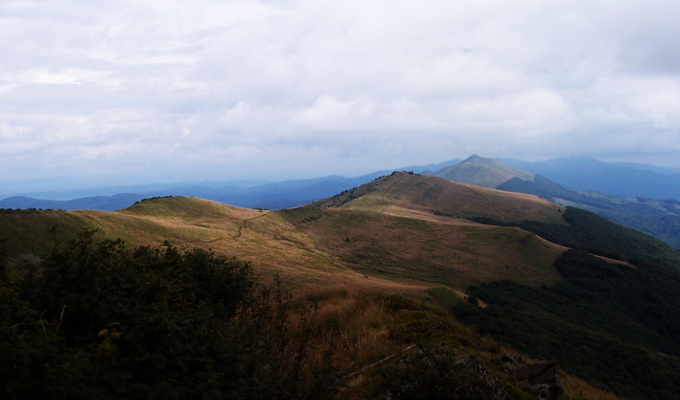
pixel 237 89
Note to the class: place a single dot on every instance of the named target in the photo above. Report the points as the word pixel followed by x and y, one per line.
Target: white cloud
pixel 277 87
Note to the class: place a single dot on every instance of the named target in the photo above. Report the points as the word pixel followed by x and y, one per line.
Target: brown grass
pixel 434 249
pixel 397 246
pixel 578 389
pixel 459 200
pixel 360 272
pixel 358 317
pixel 372 323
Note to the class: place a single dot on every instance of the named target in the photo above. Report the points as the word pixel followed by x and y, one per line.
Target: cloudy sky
pixel 221 90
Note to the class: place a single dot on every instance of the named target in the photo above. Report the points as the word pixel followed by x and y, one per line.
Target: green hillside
pixel 659 218
pixel 615 324
pixel 363 275
pixel 601 236
pixel 38 231
pixel 318 244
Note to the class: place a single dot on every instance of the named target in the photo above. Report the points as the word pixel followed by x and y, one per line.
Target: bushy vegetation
pixel 611 323
pixel 440 374
pixel 99 320
pixel 102 321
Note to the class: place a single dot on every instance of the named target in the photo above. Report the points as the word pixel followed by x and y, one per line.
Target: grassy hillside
pixel 425 240
pixel 612 323
pixel 408 228
pixel 409 193
pixel 38 231
pixel 603 237
pixel 660 219
pixel 433 249
pixel 100 320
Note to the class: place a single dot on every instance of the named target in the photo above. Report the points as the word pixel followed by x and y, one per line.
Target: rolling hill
pixel 659 218
pixel 427 241
pixel 319 240
pixel 382 228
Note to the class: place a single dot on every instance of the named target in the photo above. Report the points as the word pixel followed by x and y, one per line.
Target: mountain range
pixel 251 194
pixel 582 173
pixel 617 179
pixel 659 218
pixel 549 280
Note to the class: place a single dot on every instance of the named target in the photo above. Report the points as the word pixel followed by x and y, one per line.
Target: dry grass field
pixel 405 229
pixel 376 265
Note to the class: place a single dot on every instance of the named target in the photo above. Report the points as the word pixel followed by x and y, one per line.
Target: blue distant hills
pixel 247 194
pixel 619 179
pixel 639 196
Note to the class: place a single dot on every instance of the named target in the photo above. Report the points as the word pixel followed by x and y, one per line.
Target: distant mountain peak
pixel 480 171
pixel 474 157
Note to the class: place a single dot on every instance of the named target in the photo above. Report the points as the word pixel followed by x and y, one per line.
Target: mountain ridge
pixel 423 235
pixel 618 179
pixel 434 194
pixel 292 193
pixel 251 194
pixel 658 218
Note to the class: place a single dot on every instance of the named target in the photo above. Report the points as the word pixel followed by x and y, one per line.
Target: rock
pixel 543 376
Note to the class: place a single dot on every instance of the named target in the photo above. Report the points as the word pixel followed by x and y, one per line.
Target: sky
pixel 221 90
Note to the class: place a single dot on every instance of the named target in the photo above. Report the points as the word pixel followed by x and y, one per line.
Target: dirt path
pixel 382 198
pixel 244 225
pixel 487 202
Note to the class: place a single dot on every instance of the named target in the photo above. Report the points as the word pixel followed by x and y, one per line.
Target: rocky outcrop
pixel 543 376
pixel 492 384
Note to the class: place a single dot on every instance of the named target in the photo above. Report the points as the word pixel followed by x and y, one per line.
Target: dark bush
pixel 102 321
